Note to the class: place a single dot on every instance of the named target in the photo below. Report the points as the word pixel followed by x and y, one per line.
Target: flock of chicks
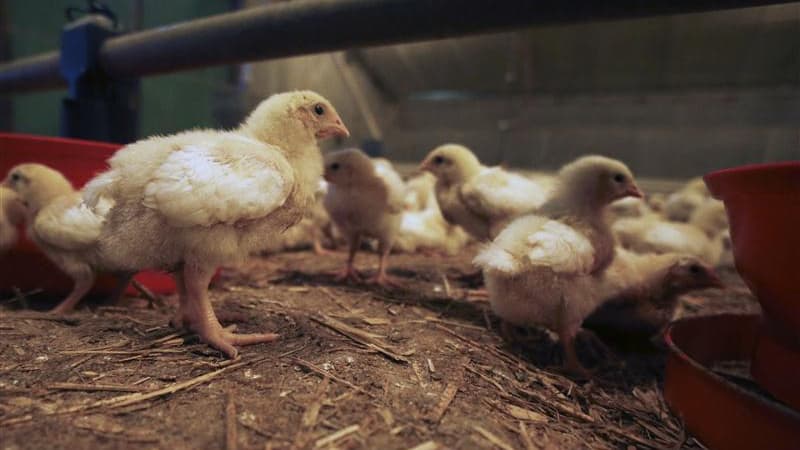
pixel 555 249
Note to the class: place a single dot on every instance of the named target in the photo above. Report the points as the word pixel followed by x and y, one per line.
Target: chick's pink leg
pixel 83 282
pixel 349 272
pixel 571 362
pixel 199 314
pixel 382 278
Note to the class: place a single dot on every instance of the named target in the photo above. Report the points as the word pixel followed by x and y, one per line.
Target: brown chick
pixel 62 226
pixel 12 213
pixel 478 198
pixel 543 269
pixel 363 200
pixel 190 202
pixel 649 296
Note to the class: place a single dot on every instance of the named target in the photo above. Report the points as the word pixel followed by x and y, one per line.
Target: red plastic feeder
pixel 763 205
pixel 721 413
pixel 24 266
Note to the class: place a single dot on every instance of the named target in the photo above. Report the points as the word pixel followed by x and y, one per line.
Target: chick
pixel 542 268
pixel 680 205
pixel 710 217
pixel 363 200
pixel 480 199
pixel 629 207
pixel 190 202
pixel 12 213
pixel 62 226
pixel 648 296
pixel 420 192
pixel 652 234
pixel 426 231
pixel 423 228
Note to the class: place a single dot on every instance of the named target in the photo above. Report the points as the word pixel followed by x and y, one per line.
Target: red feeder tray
pixel 24 266
pixel 763 206
pixel 718 412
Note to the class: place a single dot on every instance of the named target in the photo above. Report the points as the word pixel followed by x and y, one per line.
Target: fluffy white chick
pixel 680 205
pixel 648 295
pixel 12 213
pixel 629 207
pixel 710 217
pixel 652 234
pixel 190 202
pixel 478 198
pixel 423 228
pixel 540 269
pixel 61 225
pixel 363 200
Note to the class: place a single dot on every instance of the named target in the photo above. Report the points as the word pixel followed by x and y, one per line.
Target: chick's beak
pixel 714 280
pixel 424 166
pixel 633 191
pixel 334 128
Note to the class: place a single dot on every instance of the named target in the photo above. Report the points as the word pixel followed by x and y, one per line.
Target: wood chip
pixel 492 438
pixel 130 399
pixel 428 445
pixel 311 413
pixel 336 436
pixel 94 387
pixel 318 370
pixel 360 336
pixel 376 321
pixel 525 414
pixel 231 439
pixel 526 438
pixel 447 397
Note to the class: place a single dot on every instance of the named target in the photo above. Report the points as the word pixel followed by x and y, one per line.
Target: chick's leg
pixel 571 362
pixel 382 278
pixel 179 320
pixel 83 282
pixel 199 316
pixel 349 272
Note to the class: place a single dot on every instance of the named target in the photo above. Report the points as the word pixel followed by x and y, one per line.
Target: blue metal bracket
pixel 97 107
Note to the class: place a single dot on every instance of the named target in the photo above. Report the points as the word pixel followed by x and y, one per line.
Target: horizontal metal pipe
pixel 303 27
pixel 32 73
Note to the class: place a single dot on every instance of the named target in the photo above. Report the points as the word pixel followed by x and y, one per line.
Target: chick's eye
pixel 319 109
pixel 335 166
pixel 15 177
pixel 438 160
pixel 619 178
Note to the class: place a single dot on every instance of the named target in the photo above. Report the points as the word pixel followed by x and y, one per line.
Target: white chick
pixel 680 205
pixel 629 207
pixel 420 192
pixel 540 270
pixel 363 200
pixel 652 234
pixel 480 199
pixel 190 202
pixel 62 226
pixel 423 228
pixel 12 213
pixel 649 293
pixel 426 231
pixel 710 217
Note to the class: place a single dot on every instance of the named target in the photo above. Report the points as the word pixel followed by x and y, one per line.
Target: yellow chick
pixel 12 213
pixel 652 234
pixel 478 198
pixel 680 205
pixel 190 202
pixel 542 268
pixel 62 226
pixel 363 200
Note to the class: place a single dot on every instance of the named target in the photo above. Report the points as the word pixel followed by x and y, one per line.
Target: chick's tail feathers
pixel 495 259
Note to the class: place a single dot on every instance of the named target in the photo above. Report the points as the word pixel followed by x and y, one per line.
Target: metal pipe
pixel 32 73
pixel 303 27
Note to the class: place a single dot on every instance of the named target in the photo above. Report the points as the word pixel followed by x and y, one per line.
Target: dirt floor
pixel 356 367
